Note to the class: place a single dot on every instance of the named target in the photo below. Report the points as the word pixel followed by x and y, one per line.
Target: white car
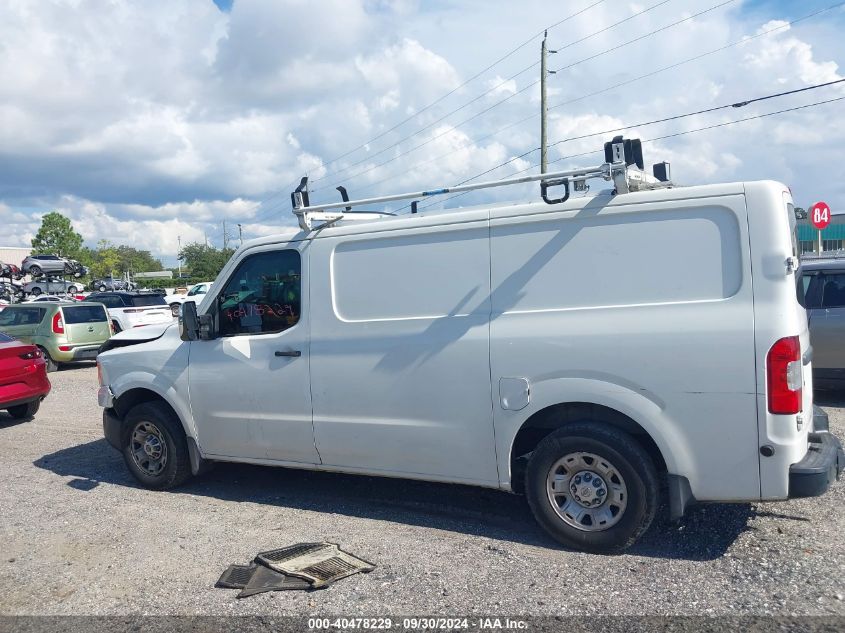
pixel 131 309
pixel 51 298
pixel 590 352
pixel 195 293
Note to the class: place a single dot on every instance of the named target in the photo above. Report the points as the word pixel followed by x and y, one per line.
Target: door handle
pixel 295 353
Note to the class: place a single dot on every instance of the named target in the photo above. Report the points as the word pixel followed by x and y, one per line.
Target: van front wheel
pixel 592 487
pixel 155 448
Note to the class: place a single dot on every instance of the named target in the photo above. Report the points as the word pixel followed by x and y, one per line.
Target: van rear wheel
pixel 154 447
pixel 592 487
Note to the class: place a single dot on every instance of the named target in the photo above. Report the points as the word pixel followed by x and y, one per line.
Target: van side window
pixel 833 295
pixel 262 296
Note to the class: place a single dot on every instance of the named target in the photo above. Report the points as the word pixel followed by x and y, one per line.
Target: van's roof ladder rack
pixel 623 165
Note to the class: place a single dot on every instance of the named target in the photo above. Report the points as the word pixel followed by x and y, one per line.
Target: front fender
pixel 168 392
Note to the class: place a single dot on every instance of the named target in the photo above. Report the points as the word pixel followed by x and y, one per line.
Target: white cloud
pixel 500 87
pixel 144 121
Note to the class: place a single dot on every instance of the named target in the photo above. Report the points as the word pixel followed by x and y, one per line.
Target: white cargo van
pixel 578 352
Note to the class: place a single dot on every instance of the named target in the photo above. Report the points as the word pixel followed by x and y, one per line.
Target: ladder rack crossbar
pixel 599 171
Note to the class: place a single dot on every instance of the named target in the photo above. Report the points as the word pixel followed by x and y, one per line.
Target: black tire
pixel 101 288
pixel 51 364
pixel 174 309
pixel 35 271
pixel 625 456
pixel 35 291
pixel 24 411
pixel 176 467
pixel 71 290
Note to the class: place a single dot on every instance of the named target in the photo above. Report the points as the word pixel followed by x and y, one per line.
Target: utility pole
pixel 544 141
pixel 225 237
pixel 179 254
pixel 241 234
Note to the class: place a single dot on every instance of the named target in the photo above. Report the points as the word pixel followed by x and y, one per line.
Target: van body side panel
pixel 644 307
pixel 777 314
pixel 400 351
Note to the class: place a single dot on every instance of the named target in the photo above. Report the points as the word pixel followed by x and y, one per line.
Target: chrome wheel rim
pixel 148 448
pixel 587 491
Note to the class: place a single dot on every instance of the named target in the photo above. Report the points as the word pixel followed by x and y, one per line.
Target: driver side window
pixel 262 296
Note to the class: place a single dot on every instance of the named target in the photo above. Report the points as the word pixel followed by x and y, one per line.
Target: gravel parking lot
pixel 79 537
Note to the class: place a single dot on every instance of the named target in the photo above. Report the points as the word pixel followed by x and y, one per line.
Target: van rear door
pixel 86 324
pixel 784 368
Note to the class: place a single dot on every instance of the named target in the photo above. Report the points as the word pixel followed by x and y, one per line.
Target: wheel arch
pixel 543 422
pixel 134 390
pixel 137 395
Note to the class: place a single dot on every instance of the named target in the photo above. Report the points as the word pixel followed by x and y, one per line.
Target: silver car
pixel 51 286
pixel 37 265
pixel 824 298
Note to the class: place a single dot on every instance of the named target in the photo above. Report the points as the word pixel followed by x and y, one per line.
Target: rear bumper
pixel 27 400
pixel 112 428
pixel 822 465
pixel 83 352
pixel 29 388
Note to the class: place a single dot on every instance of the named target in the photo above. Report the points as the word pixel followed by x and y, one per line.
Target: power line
pixel 738 104
pixel 509 97
pixel 490 91
pixel 471 79
pixel 741 40
pixel 453 91
pixel 651 140
pixel 624 83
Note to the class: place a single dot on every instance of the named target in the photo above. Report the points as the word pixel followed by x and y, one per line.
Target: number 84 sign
pixel 820 215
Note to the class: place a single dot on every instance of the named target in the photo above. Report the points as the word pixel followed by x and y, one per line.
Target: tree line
pixel 56 236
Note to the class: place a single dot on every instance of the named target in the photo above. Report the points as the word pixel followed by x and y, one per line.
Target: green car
pixel 66 332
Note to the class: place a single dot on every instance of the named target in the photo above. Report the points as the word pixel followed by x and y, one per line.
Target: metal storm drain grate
pixel 302 566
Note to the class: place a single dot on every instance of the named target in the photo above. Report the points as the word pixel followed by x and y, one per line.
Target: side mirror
pixel 189 327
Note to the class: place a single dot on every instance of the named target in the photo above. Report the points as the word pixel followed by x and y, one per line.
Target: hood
pixel 136 335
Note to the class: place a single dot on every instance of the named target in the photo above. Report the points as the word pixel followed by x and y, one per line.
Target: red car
pixel 23 378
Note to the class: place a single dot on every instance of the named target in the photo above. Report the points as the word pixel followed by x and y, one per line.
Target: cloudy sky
pixel 147 120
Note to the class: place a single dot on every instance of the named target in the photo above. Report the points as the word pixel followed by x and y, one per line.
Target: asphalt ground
pixel 78 536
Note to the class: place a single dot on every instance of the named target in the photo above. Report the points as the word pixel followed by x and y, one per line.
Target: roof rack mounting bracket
pixel 545 184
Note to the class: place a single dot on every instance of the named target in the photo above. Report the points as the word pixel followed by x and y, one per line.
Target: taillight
pixel 58 324
pixel 65 348
pixel 36 353
pixel 99 374
pixel 785 376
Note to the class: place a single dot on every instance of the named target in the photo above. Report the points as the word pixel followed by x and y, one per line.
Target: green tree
pixel 57 237
pixel 137 261
pixel 204 261
pixel 106 260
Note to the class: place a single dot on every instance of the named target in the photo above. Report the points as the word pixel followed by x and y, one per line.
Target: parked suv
pixel 64 332
pixel 133 309
pixel 824 284
pixel 524 347
pixel 37 265
pixel 51 285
